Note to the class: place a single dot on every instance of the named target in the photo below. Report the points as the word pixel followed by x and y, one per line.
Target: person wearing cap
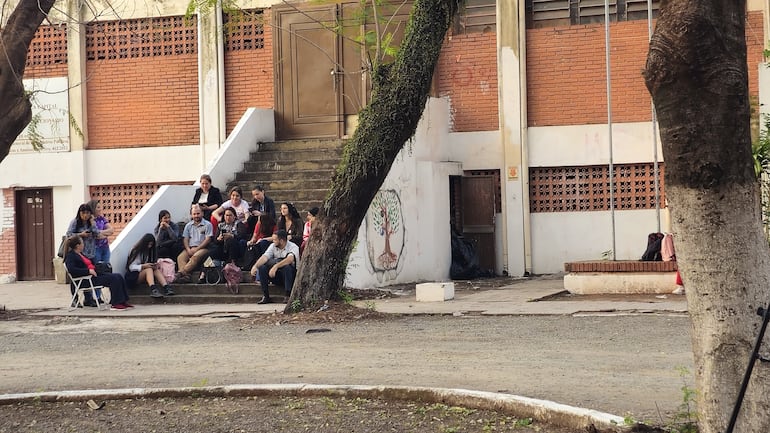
pixel 278 265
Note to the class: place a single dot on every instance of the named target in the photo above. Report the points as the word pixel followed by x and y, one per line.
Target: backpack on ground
pixel 652 253
pixel 233 275
pixel 167 268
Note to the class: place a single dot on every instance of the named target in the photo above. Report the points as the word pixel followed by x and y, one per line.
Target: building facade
pixel 514 149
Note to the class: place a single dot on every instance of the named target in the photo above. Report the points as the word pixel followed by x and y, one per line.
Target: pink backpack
pixel 168 269
pixel 233 276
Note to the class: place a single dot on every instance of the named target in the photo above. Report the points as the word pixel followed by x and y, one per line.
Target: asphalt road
pixel 618 364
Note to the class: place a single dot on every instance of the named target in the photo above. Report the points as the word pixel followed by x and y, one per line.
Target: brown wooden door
pixel 308 80
pixel 478 211
pixel 34 234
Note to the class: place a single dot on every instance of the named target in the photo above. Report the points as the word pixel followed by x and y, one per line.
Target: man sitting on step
pixel 278 265
pixel 196 237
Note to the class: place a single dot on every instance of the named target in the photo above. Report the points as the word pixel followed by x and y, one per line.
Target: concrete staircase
pixel 296 171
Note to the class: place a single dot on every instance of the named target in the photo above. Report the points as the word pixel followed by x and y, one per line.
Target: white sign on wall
pixel 50 117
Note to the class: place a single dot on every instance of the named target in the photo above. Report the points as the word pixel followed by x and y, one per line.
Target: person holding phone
pixel 142 267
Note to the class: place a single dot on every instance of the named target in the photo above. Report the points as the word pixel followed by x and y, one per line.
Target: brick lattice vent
pixel 620 266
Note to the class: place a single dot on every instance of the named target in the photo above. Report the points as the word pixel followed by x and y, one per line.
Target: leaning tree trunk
pixel 697 75
pixel 15 37
pixel 399 93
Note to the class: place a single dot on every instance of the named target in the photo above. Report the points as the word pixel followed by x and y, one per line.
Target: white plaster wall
pixel 589 144
pixel 420 175
pixel 559 237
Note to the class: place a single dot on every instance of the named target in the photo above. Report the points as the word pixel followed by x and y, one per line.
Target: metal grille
pixel 120 203
pixel 478 16
pixel 146 37
pixel 587 188
pixel 49 47
pixel 547 13
pixel 245 30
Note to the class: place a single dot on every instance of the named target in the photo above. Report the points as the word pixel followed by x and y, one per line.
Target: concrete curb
pixel 540 410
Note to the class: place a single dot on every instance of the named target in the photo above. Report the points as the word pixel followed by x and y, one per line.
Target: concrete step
pixel 265 177
pixel 302 145
pixel 290 165
pixel 208 294
pixel 296 182
pixel 295 155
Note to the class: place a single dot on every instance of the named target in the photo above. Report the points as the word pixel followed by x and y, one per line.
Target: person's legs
pixel 264 280
pixel 102 254
pixel 194 261
pixel 181 260
pixel 286 276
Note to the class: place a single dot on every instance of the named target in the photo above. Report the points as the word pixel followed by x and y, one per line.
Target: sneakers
pixel 168 291
pixel 155 292
pixel 264 300
pixel 118 307
pixel 127 305
pixel 182 278
pixel 678 291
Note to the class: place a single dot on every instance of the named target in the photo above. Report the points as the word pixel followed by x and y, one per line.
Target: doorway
pixel 474 202
pixel 34 234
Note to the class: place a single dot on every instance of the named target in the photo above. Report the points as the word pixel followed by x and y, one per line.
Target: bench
pixel 619 277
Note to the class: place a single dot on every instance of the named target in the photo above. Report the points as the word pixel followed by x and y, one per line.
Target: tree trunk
pixel 399 93
pixel 697 75
pixel 16 110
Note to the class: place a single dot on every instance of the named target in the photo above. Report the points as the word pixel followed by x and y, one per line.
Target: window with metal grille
pixel 49 47
pixel 478 16
pixel 145 37
pixel 244 30
pixel 587 188
pixel 550 13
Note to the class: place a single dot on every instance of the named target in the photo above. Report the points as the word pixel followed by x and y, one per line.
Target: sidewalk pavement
pixel 523 297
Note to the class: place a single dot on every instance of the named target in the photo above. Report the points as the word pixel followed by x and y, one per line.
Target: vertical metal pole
pixel 655 168
pixel 609 118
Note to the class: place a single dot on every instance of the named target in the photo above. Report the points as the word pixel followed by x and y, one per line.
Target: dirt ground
pixel 625 365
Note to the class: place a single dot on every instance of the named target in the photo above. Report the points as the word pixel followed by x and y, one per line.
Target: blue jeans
pixel 102 254
pixel 283 277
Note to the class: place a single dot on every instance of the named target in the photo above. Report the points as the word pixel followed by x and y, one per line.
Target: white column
pixel 78 109
pixel 210 84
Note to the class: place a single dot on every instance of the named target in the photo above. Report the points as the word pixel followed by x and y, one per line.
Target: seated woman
pixel 142 267
pixel 231 239
pixel 309 224
pixel 166 237
pixel 260 240
pixel 78 265
pixel 207 196
pixel 291 222
pixel 236 203
pixel 84 226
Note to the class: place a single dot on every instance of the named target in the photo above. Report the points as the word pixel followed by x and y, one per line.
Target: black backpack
pixel 652 253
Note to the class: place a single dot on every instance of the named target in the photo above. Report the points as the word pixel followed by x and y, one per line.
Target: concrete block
pixel 435 292
pixel 591 283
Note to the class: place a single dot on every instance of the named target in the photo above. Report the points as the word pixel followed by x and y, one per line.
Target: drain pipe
pixel 655 168
pixel 609 119
pixel 523 138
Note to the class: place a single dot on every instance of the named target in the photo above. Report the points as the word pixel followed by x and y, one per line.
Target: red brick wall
pixel 248 73
pixel 142 85
pixel 566 72
pixel 47 55
pixel 8 234
pixel 467 74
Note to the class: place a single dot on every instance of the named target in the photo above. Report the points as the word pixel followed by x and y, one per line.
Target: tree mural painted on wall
pixel 385 212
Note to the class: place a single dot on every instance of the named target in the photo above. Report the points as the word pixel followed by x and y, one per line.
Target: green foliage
pixel 345 296
pixel 296 306
pixel 760 152
pixel 685 419
pixel 523 422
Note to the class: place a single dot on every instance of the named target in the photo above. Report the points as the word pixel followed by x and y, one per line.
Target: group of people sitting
pixel 246 235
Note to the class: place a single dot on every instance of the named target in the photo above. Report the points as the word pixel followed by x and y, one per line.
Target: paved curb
pixel 540 410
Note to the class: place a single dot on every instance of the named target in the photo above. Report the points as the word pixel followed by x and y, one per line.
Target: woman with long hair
pixel 84 227
pixel 260 240
pixel 79 265
pixel 167 237
pixel 142 266
pixel 102 251
pixel 291 222
pixel 207 196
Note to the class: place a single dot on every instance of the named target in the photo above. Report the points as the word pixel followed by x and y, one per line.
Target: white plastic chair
pixel 82 285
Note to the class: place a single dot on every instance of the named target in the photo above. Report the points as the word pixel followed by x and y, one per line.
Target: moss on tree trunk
pixel 399 94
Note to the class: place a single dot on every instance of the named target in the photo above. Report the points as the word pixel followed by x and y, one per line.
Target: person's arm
pixel 209 235
pixel 288 260
pixel 262 260
pixel 136 265
pixel 107 230
pixel 71 228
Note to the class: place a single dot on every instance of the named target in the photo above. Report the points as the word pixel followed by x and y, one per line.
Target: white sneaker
pixel 678 291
